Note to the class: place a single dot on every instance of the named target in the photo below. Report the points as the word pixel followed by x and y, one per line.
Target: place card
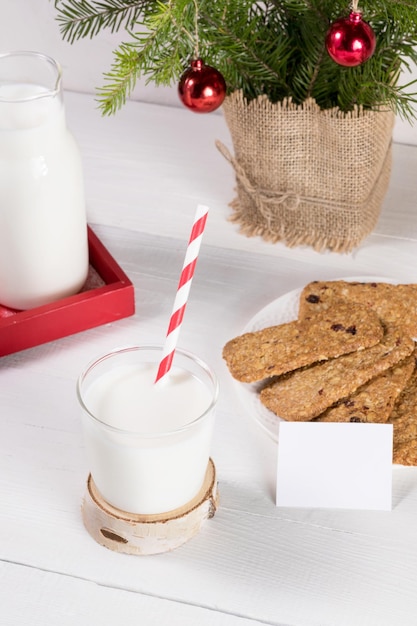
pixel 334 465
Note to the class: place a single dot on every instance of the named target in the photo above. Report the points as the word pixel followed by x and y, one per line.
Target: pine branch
pixel 80 18
pixel 272 47
pixel 121 80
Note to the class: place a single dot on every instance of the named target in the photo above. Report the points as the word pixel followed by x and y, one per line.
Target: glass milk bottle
pixel 43 228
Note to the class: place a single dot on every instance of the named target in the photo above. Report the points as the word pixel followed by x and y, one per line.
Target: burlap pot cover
pixel 305 175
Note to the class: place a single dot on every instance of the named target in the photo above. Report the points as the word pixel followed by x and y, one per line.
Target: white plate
pixel 281 310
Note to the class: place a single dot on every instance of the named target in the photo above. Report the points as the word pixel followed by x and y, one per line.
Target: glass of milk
pixel 43 227
pixel 147 443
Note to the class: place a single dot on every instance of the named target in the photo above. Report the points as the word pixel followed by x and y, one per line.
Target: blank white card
pixel 334 465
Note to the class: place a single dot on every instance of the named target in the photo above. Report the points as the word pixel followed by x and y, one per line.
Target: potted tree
pixel 309 90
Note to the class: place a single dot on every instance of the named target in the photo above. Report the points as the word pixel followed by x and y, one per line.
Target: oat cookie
pixel 404 414
pixel 340 329
pixel 307 393
pixel 405 453
pixel 374 401
pixel 392 303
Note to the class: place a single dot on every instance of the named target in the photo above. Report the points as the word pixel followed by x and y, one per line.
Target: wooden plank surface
pixel 253 563
pixel 47 598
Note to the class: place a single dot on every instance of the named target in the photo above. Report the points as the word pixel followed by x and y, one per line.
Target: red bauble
pixel 350 41
pixel 202 88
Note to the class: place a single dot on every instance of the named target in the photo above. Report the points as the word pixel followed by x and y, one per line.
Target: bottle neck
pixel 31 128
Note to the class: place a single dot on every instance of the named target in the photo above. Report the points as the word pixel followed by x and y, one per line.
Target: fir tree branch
pixel 246 51
pixel 272 47
pixel 121 80
pixel 80 18
pixel 315 74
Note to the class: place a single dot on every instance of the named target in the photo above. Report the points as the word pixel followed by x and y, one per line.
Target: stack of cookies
pixel 349 357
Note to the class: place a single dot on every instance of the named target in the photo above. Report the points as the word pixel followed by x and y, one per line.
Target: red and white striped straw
pixel 183 290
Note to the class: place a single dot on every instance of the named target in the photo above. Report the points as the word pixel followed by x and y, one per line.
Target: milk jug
pixel 43 228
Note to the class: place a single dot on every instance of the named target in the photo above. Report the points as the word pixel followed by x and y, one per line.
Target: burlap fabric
pixel 305 175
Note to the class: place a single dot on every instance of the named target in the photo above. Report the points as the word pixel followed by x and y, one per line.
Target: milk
pixel 127 399
pixel 43 231
pixel 148 444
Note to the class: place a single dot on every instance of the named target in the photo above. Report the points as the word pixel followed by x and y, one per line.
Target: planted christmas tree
pixel 311 86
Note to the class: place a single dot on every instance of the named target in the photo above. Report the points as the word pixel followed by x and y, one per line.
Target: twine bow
pixel 264 199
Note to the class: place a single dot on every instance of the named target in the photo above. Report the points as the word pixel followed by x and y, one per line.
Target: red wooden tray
pixel 107 295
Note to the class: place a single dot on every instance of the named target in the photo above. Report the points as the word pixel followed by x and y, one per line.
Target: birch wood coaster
pixel 148 534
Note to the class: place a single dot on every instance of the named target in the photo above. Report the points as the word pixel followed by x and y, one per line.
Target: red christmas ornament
pixel 202 88
pixel 350 41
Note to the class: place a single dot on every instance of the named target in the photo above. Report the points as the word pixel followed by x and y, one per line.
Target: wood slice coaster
pixel 148 534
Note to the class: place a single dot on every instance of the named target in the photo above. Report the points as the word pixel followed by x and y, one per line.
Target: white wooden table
pixel 253 563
